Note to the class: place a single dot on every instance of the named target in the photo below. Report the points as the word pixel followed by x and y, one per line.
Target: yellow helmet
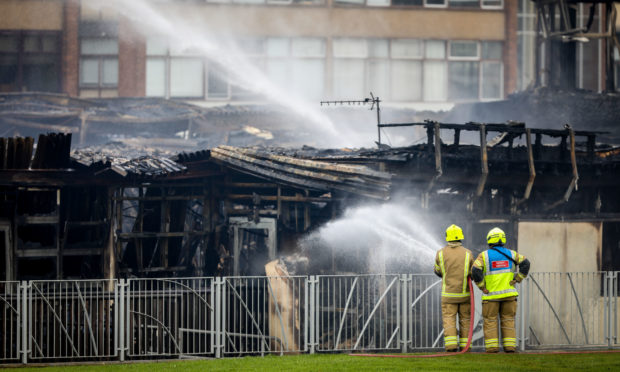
pixel 454 233
pixel 496 236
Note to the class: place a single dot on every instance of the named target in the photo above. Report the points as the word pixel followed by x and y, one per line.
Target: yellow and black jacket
pixel 453 264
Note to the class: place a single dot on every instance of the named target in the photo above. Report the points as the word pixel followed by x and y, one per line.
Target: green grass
pixel 475 362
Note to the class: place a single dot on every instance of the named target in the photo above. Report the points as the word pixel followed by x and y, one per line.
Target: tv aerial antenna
pixel 373 101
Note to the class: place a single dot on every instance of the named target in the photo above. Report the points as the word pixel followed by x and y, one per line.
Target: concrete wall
pixel 560 247
pixel 31 15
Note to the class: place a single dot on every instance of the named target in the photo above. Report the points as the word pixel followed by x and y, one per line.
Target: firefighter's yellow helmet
pixel 496 236
pixel 454 233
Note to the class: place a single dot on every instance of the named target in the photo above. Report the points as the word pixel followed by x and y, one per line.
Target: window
pixel 492 4
pixel 297 64
pixel 475 70
pixel 173 73
pixel 464 3
pixel 98 63
pixel 526 43
pixel 29 61
pixel 412 70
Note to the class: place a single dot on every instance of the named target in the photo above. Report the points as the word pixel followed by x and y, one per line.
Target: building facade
pixel 419 53
pixel 405 51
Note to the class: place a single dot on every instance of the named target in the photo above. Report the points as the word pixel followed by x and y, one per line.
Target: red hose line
pixel 469 337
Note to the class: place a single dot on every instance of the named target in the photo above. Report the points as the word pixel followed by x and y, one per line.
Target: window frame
pixel 167 57
pixel 21 54
pixel 100 85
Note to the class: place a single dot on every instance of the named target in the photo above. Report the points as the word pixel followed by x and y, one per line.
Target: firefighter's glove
pixel 513 282
pixel 485 291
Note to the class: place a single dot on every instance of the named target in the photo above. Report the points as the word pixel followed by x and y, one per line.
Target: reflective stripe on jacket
pixel 498 272
pixel 453 263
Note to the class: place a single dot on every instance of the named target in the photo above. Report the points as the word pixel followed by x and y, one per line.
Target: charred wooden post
pixel 591 144
pixel 457 137
pixel 429 137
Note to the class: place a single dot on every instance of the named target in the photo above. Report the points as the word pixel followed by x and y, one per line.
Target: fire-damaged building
pixel 229 210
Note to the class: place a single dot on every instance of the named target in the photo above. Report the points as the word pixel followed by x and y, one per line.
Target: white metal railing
pixel 47 321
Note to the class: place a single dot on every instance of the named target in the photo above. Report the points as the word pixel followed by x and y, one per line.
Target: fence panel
pixel 566 309
pixel 10 321
pixel 264 315
pixel 358 312
pixel 169 317
pixel 72 319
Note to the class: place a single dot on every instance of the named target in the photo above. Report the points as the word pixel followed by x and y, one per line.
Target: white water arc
pixel 223 50
pixel 392 235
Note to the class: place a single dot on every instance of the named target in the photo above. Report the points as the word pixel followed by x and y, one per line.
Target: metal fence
pixel 46 321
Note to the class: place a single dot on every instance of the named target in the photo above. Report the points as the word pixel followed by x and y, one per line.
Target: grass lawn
pixel 475 362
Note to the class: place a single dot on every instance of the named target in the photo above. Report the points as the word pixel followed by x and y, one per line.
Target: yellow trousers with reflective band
pixel 507 309
pixel 450 336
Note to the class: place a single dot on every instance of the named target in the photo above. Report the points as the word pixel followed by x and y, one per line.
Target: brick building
pixel 419 53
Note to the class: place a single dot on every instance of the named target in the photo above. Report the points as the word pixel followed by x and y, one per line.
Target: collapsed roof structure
pixel 228 210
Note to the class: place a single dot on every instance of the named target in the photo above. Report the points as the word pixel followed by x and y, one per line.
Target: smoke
pixel 187 34
pixel 383 238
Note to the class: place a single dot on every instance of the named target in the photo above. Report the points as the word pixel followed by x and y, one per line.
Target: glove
pixel 485 291
pixel 513 282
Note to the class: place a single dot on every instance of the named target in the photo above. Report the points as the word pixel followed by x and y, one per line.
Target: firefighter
pixel 495 273
pixel 453 265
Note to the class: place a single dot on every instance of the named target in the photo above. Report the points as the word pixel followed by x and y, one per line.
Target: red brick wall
pixel 70 48
pixel 131 61
pixel 510 47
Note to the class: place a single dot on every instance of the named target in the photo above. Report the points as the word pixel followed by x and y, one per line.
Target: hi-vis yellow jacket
pixel 494 270
pixel 453 264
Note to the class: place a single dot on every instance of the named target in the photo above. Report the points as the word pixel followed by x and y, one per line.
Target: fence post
pixel 522 308
pixel 312 311
pixel 122 311
pixel 404 279
pixel 218 316
pixel 610 296
pixel 23 317
pixel 615 308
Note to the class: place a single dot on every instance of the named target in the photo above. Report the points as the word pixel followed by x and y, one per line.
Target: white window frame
pixel 464 58
pixel 492 7
pixel 441 6
pixel 167 58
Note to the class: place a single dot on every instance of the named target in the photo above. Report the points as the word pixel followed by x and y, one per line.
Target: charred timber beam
pixel 530 163
pixel 297 198
pixel 161 198
pixel 179 234
pixel 438 169
pixel 483 160
pixel 573 183
pixel 495 127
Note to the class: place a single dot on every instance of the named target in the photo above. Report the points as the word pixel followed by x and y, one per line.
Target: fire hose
pixel 469 336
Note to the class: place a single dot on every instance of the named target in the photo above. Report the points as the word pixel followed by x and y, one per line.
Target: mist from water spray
pixel 223 51
pixel 390 237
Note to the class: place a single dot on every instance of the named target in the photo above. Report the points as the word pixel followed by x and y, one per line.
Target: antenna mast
pixel 374 101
